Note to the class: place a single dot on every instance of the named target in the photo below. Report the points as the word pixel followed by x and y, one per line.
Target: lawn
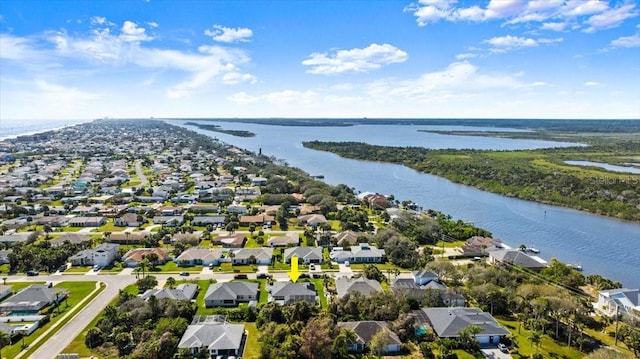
pixel 203 287
pixel 19 285
pixel 172 266
pixel 78 291
pixel 252 346
pixel 548 347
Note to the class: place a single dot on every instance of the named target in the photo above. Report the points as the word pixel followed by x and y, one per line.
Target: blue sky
pixel 64 59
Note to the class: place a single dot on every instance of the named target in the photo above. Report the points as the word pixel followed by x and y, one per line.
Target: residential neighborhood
pixel 207 250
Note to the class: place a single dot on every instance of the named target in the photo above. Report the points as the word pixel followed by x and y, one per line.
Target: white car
pixel 503 348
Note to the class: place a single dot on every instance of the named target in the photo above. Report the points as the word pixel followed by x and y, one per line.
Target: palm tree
pixel 536 338
pixel 171 282
pixel 232 255
pixel 144 264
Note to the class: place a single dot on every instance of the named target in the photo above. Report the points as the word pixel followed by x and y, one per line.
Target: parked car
pixel 184 274
pixel 312 266
pixel 96 268
pixel 240 276
pixel 503 348
pixel 210 265
pixel 346 264
pixel 262 275
pixel 32 273
pixel 62 268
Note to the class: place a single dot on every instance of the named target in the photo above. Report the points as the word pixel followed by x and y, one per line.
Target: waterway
pixel 601 245
pixel 606 166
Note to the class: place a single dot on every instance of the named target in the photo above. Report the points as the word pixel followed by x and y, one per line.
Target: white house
pixel 623 300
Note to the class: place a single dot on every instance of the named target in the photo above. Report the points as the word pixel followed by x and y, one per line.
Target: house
pixel 231 241
pixel 259 219
pixel 289 239
pixel 127 220
pixel 73 238
pixel 187 237
pixel 360 285
pixel 128 237
pixel 287 292
pixel 207 221
pixel 305 254
pixel 516 257
pixel 261 256
pixel 169 221
pixel 366 330
pixel 478 246
pixel 202 208
pixel 350 238
pixel 230 294
pixel 87 221
pixel 259 181
pixel 183 291
pixel 24 237
pixel 362 253
pixel 4 256
pixel 312 220
pixel 32 299
pixel 53 221
pixel 103 255
pixel 133 257
pixel 422 277
pixel 448 322
pixel 409 288
pixel 622 300
pixel 196 256
pixel 215 338
pixel 171 210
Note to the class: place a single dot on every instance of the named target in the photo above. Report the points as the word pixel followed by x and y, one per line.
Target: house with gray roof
pixel 214 338
pixel 185 291
pixel 360 285
pixel 516 257
pixel 289 239
pixel 287 292
pixel 197 256
pixel 73 238
pixel 24 237
pixel 362 253
pixel 230 294
pixel 32 299
pixel 305 254
pixel 365 330
pixel 448 322
pixel 207 220
pixel 262 256
pixel 422 277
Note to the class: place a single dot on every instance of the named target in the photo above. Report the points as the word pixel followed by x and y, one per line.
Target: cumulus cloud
pixel 229 35
pixel 627 41
pixel 555 15
pixel 365 59
pixel 131 32
pixel 591 83
pixel 508 42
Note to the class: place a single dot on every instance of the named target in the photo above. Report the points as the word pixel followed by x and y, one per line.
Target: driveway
pixel 495 354
pixel 344 271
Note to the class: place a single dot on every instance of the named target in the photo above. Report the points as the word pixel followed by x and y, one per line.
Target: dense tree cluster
pixel 140 329
pixel 40 256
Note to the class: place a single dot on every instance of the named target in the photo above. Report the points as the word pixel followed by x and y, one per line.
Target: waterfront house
pixel 230 294
pixel 516 257
pixel 621 300
pixel 366 330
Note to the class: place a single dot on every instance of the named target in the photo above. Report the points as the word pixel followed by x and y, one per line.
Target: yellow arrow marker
pixel 294 274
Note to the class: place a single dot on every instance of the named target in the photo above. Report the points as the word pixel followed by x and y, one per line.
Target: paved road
pixel 140 174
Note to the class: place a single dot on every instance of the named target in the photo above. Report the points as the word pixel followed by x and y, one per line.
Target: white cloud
pixel 16 48
pixel 594 14
pixel 131 32
pixel 226 34
pixel 591 83
pixel 291 97
pixel 611 18
pixel 627 41
pixel 234 78
pixel 152 24
pixel 355 60
pixel 465 56
pixel 242 98
pixel 508 42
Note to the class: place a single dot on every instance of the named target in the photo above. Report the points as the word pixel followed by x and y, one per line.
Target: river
pixel 601 245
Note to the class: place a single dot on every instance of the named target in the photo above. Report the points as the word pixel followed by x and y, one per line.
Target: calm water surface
pixel 602 245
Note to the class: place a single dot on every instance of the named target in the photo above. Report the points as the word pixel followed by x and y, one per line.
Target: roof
pixel 137 254
pixel 258 253
pixel 288 238
pixel 361 285
pixel 423 273
pixel 259 218
pixel 285 289
pixel 628 298
pixel 304 252
pixel 365 330
pixel 448 322
pixel 313 218
pixel 33 297
pixel 218 336
pixel 231 240
pixel 517 257
pixel 200 253
pixel 405 283
pixel 181 292
pixel 349 237
pixel 75 238
pixel 230 290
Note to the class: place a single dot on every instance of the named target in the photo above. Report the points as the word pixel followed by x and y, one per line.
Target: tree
pixel 47 230
pixel 378 342
pixel 468 337
pixel 94 338
pixel 144 264
pixel 317 338
pixel 171 282
pixel 146 283
pixel 342 341
pixel 153 260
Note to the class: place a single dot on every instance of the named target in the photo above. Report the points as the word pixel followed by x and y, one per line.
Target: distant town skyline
pixel 400 59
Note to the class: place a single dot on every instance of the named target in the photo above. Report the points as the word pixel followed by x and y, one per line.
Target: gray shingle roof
pixel 181 292
pixel 311 253
pixel 365 330
pixel 34 297
pixel 219 336
pixel 448 322
pixel 230 290
pixel 361 285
